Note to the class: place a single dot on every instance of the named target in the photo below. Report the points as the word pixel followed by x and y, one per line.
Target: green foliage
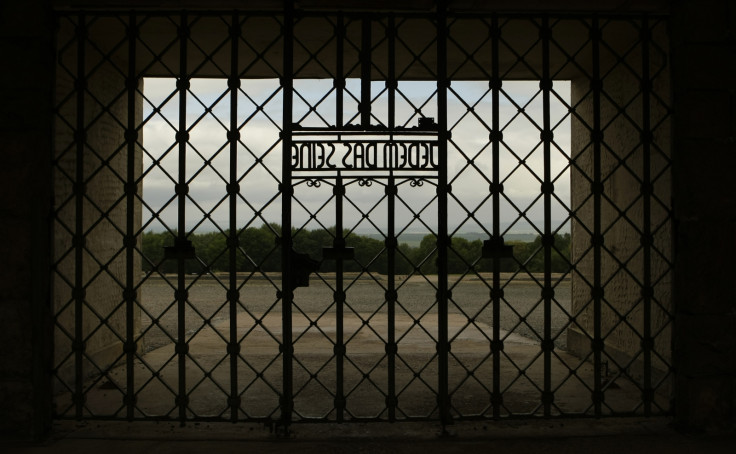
pixel 531 255
pixel 259 250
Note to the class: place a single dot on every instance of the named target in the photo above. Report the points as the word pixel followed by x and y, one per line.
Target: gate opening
pixel 389 225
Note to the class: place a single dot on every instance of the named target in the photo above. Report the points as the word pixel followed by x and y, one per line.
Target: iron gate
pixel 356 259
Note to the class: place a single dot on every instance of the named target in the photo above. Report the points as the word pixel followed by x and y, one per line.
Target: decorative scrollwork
pixel 313 183
pixel 365 182
pixel 416 182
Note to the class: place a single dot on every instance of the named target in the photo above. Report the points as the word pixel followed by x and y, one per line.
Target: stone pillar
pixel 704 76
pixel 622 218
pixel 104 206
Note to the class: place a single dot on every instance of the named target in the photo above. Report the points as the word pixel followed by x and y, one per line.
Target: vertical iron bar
pixel 496 343
pixel 182 138
pixel 647 189
pixel 597 237
pixel 287 292
pixel 339 245
pixel 78 240
pixel 391 297
pixel 365 73
pixel 392 83
pixel 340 72
pixel 547 189
pixel 443 346
pixel 130 240
pixel 233 190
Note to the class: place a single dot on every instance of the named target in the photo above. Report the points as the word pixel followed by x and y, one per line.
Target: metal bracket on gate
pixel 338 251
pixel 302 265
pixel 182 249
pixel 495 248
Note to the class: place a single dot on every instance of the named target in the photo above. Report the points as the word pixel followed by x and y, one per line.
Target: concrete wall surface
pixel 703 47
pixel 704 336
pixel 26 46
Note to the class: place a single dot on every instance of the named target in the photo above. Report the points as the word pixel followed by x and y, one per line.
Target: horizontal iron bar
pixel 363 132
pixel 368 141
pixel 368 176
pixel 71 12
pixel 359 420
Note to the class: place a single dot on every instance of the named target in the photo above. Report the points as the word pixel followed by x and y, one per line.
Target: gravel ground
pixel 521 311
pixel 365 371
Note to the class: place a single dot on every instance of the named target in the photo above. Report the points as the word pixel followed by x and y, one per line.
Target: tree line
pixel 259 249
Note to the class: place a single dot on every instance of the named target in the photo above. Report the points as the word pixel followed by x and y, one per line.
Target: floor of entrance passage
pixel 365 371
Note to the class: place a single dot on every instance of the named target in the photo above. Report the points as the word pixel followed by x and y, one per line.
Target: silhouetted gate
pixel 351 217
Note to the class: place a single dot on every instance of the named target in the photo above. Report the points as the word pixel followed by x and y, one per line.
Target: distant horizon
pixel 565 229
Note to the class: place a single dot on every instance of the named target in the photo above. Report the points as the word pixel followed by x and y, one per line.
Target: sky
pixel 259 117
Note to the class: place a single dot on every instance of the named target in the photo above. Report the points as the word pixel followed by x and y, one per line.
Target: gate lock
pixel 302 265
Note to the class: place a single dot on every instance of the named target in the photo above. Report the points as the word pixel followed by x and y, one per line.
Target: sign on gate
pixel 365 155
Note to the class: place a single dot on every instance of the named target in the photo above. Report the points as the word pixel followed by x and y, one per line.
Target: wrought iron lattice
pixel 322 223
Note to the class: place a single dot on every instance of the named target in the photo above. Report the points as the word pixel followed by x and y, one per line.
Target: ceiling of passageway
pixel 315 50
pixel 658 6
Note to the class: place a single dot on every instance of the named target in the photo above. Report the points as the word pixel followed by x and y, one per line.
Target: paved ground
pixel 365 378
pixel 416 296
pixel 315 372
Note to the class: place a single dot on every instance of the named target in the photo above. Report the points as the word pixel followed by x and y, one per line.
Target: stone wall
pixel 103 208
pixel 622 223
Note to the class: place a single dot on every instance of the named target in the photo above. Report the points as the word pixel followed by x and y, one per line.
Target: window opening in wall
pixel 372 229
